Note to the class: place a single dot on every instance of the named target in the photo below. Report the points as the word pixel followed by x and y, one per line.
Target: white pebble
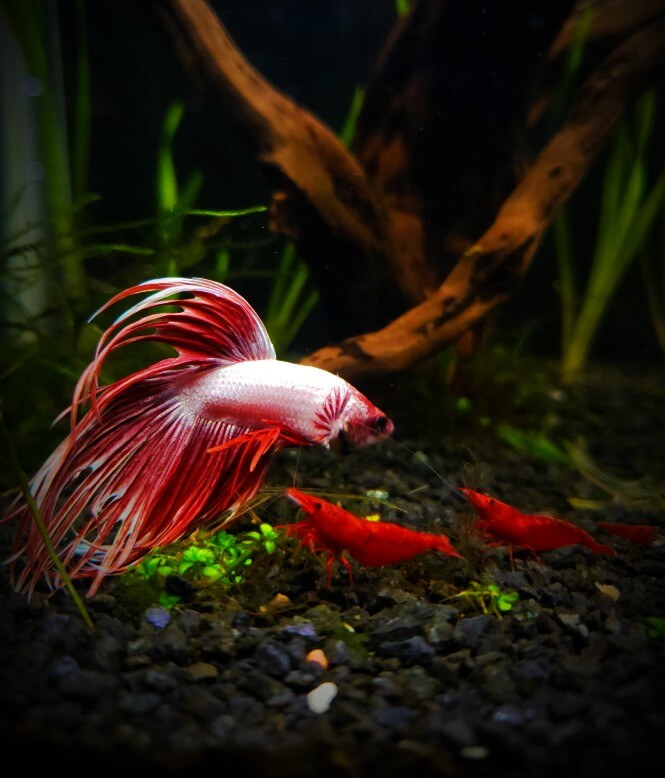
pixel 319 699
pixel 608 590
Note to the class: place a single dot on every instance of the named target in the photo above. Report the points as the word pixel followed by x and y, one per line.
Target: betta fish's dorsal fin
pixel 213 321
pixel 205 322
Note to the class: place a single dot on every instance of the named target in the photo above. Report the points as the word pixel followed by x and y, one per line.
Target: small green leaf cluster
pixel 219 558
pixel 488 597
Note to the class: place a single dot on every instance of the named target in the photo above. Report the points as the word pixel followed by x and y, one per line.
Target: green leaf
pixel 402 7
pixel 656 627
pixel 167 181
pixel 348 132
pixel 532 443
pixel 168 600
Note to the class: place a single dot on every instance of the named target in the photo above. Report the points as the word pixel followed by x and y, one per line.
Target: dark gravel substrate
pixel 569 682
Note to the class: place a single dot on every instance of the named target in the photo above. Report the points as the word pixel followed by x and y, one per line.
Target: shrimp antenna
pixel 455 490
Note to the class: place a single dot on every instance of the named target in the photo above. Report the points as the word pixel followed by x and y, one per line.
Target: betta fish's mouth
pixel 363 433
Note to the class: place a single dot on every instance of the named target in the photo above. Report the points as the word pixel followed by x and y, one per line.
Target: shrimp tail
pixel 598 548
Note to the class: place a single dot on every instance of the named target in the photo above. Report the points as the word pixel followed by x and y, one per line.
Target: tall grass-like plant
pixel 630 203
pixel 34 24
pixel 172 200
pixel 290 302
pixel 629 207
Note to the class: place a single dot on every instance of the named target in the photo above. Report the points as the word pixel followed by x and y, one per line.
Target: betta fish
pixel 178 443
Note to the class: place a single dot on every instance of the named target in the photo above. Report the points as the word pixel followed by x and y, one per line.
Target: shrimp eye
pixel 318 506
pixel 379 423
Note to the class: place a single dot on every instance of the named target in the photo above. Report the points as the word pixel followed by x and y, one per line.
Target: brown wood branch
pixel 441 125
pixel 489 271
pixel 300 148
pixel 609 17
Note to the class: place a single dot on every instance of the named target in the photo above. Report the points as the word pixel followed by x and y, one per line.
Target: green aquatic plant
pixel 291 300
pixel 402 7
pixel 656 627
pixel 533 443
pixel 631 202
pixel 22 479
pixel 348 132
pixel 487 597
pixel 173 200
pixel 206 559
pixel 32 23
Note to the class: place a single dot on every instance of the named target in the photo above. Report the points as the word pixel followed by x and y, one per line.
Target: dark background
pixel 317 52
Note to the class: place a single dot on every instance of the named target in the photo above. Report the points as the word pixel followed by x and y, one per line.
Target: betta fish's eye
pixel 318 506
pixel 379 423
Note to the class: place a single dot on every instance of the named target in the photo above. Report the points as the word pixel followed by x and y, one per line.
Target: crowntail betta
pixel 180 442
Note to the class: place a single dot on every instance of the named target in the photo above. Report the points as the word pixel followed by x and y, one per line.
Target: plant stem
pixel 39 521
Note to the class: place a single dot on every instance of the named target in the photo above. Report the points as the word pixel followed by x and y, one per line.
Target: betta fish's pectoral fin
pixel 257 443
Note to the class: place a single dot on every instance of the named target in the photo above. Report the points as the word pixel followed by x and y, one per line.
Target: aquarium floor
pixel 570 681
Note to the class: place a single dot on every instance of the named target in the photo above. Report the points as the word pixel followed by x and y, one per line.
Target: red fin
pixel 261 440
pixel 214 325
pixel 133 481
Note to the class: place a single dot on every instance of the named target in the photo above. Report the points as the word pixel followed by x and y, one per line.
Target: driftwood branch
pixel 354 219
pixel 287 136
pixel 442 123
pixel 608 18
pixel 489 271
pixel 324 201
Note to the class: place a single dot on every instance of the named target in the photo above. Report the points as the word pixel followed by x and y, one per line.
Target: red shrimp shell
pixel 641 534
pixel 506 525
pixel 373 544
